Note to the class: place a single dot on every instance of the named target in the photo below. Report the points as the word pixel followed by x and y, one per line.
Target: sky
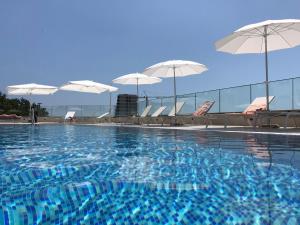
pixel 52 42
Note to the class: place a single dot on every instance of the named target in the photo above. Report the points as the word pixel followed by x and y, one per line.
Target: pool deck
pixel 218 128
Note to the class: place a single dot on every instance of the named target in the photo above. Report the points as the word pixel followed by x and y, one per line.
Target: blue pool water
pixel 113 175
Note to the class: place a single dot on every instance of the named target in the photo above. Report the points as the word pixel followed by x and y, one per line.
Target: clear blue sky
pixel 54 41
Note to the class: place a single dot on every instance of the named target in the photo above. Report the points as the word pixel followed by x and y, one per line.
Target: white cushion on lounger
pixel 70 115
pixel 158 111
pixel 178 108
pixel 146 111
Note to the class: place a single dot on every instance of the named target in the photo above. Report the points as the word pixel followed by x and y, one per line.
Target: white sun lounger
pixel 146 111
pixel 259 103
pixel 70 115
pixel 159 111
pixel 250 113
pixel 179 106
pixel 104 114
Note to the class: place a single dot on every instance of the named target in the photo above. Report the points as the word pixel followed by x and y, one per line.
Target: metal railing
pixel 80 110
pixel 127 108
pixel 286 94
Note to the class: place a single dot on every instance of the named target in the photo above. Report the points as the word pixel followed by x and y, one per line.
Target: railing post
pixel 195 101
pixel 293 94
pixel 250 93
pixel 219 100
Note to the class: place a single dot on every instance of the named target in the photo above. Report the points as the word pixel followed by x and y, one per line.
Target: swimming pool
pixel 117 175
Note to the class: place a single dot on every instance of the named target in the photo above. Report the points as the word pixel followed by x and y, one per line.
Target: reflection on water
pixel 147 175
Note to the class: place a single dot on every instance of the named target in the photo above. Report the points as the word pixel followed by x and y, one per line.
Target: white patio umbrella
pixel 89 86
pixel 175 68
pixel 86 86
pixel 136 79
pixel 262 37
pixel 31 89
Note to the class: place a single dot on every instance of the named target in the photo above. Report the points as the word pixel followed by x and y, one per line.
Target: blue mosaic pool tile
pixel 192 186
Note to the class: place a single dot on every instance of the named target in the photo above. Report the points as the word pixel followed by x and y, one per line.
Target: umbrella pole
pixel 137 87
pixel 175 96
pixel 137 94
pixel 30 116
pixel 31 112
pixel 110 104
pixel 267 69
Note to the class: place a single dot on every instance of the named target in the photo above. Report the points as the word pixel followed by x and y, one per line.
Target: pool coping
pixel 229 129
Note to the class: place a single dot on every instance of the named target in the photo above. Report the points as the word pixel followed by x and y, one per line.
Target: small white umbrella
pixel 89 86
pixel 86 86
pixel 31 89
pixel 262 37
pixel 175 68
pixel 136 79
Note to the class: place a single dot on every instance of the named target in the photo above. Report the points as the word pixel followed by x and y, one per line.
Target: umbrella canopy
pixel 110 88
pixel 87 86
pixel 175 68
pixel 31 89
pixel 280 34
pixel 136 79
pixel 182 68
pixel 133 78
pixel 262 37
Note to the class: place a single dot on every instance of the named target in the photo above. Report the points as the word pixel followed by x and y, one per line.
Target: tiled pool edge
pixel 230 129
pixel 233 129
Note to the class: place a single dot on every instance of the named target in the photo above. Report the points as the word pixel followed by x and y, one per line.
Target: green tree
pixel 18 106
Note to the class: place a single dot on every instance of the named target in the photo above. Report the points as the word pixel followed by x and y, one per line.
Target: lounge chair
pixel 204 108
pixel 70 116
pixel 9 117
pixel 103 115
pixel 146 111
pixel 156 114
pixel 250 113
pixel 159 111
pixel 179 106
pixel 259 104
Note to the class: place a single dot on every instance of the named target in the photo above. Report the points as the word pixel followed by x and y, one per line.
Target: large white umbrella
pixel 31 89
pixel 89 86
pixel 136 79
pixel 262 37
pixel 175 68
